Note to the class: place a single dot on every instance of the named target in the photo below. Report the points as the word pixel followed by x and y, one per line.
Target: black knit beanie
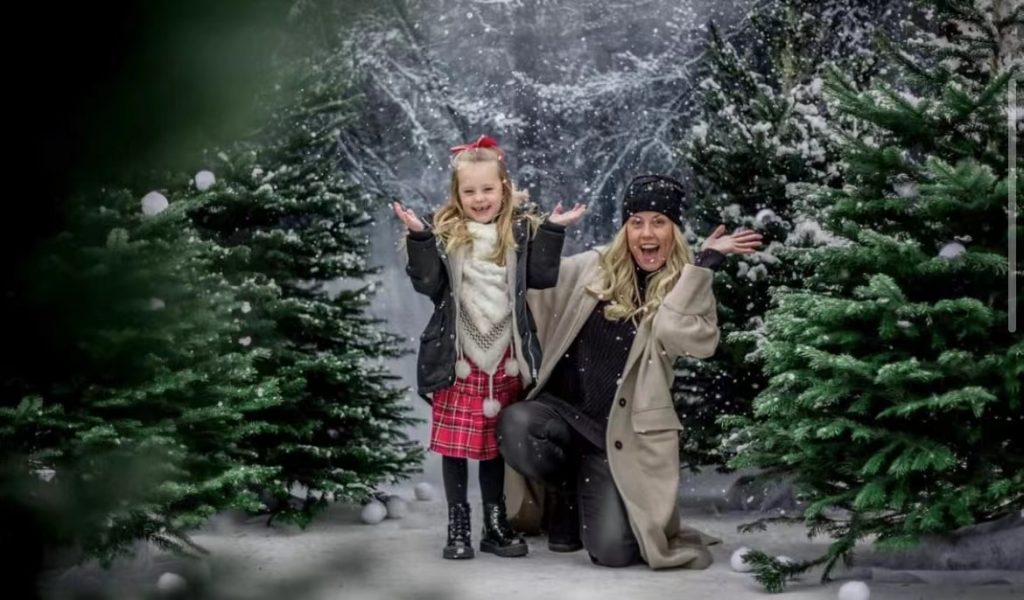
pixel 657 193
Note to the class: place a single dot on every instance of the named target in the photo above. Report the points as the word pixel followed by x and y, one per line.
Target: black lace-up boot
pixel 459 544
pixel 499 538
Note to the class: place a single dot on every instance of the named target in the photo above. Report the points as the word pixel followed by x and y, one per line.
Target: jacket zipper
pixel 451 298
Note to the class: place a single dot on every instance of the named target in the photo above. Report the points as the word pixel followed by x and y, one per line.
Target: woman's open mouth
pixel 649 252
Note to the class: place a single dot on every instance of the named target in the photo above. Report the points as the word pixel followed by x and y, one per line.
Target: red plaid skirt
pixel 459 427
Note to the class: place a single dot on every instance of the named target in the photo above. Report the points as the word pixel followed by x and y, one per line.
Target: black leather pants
pixel 538 442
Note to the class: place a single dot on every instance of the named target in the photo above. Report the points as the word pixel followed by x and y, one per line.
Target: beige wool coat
pixel 642 437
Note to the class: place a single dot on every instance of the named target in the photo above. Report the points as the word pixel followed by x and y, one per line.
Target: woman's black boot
pixel 564 522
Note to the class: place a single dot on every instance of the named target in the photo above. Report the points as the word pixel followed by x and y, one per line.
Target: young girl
pixel 479 350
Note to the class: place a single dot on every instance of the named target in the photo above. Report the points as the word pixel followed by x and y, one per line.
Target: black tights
pixel 540 444
pixel 456 477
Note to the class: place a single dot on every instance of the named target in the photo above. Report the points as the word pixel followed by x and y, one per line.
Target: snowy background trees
pixel 583 95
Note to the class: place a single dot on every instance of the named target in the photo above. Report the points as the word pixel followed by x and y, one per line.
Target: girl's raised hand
pixel 567 217
pixel 412 222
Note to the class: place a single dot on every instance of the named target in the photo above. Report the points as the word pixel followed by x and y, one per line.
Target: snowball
pixel 854 590
pixel 737 560
pixel 424 491
pixel 397 507
pixel 373 513
pixel 171 584
pixel 153 204
pixel 205 180
pixel 952 250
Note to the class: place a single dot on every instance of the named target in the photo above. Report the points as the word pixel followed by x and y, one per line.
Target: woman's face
pixel 650 236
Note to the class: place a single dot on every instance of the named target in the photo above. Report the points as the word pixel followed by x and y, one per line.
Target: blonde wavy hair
pixel 450 219
pixel 618 281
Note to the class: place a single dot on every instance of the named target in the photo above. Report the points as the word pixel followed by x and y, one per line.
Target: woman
pixel 600 428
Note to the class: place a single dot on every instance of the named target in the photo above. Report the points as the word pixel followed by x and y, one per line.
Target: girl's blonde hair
pixel 618 281
pixel 450 219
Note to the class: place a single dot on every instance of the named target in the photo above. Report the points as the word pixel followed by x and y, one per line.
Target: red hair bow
pixel 484 141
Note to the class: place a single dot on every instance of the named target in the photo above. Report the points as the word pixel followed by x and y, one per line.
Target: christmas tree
pixel 894 375
pixel 133 398
pixel 760 137
pixel 290 223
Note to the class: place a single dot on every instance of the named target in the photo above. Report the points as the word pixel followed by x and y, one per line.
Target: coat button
pixel 618 445
pixel 622 401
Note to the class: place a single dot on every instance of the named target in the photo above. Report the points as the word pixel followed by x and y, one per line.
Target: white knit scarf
pixel 484 300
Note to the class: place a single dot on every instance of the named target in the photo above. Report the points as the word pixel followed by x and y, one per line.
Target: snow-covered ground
pixel 340 557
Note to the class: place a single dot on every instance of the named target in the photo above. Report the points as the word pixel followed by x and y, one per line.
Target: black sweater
pixel 583 383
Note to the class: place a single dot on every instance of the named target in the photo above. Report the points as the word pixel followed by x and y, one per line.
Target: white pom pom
pixel 397 507
pixel 373 513
pixel 205 180
pixel 424 491
pixel 491 408
pixel 737 560
pixel 854 590
pixel 512 367
pixel 171 584
pixel 461 368
pixel 153 204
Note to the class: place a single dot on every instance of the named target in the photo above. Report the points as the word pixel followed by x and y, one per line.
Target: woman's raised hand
pixel 741 241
